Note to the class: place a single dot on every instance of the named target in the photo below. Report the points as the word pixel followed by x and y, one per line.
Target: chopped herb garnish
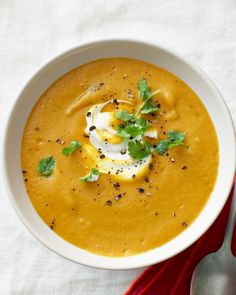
pixel 139 150
pixel 174 138
pixel 92 176
pixel 133 125
pixel 133 128
pixel 162 146
pixel 74 145
pixel 144 89
pixel 124 115
pixel 148 105
pixel 46 166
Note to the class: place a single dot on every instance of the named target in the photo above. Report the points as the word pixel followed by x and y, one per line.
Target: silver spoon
pixel 216 273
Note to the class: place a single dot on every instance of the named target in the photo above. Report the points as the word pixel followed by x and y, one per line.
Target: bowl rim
pixel 52 61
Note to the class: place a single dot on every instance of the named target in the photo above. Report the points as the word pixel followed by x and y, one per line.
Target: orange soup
pixel 119 156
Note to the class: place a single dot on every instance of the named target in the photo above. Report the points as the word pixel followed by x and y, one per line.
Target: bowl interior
pixel 154 54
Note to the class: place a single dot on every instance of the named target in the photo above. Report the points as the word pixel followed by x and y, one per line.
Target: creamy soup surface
pixel 119 156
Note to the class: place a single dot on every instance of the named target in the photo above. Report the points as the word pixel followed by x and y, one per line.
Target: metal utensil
pixel 216 273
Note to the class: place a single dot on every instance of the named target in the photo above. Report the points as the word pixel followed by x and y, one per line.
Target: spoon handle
pixel 226 247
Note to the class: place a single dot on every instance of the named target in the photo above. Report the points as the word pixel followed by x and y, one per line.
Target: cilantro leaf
pixel 74 145
pixel 162 146
pixel 132 128
pixel 135 126
pixel 142 124
pixel 92 176
pixel 122 131
pixel 46 166
pixel 174 138
pixel 149 107
pixel 138 150
pixel 124 115
pixel 144 89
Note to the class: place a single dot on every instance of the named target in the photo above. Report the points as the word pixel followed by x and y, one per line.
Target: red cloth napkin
pixel 173 276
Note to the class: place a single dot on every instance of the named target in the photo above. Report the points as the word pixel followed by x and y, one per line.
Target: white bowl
pixel 154 54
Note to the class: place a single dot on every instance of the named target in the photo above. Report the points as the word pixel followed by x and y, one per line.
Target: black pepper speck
pixel 109 202
pixel 118 197
pixel 92 128
pixel 146 179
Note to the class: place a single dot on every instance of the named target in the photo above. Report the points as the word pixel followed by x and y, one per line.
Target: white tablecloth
pixel 32 32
